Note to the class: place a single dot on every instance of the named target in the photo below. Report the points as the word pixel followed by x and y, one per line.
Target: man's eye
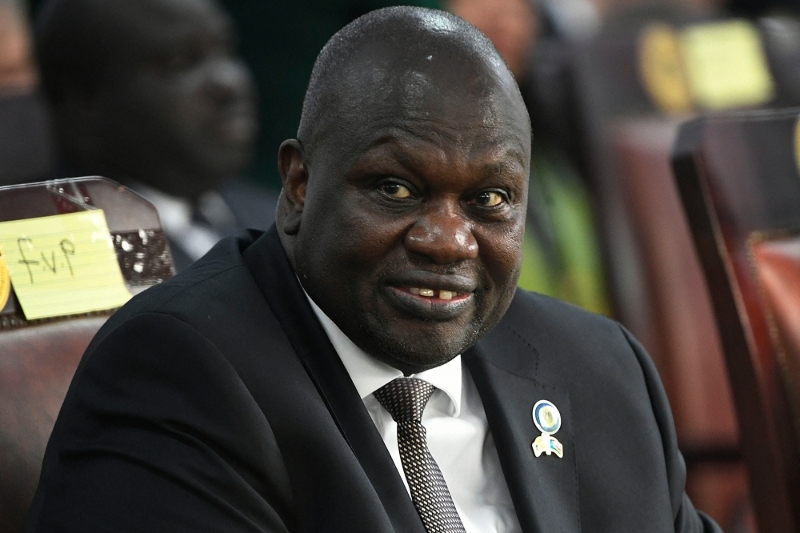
pixel 489 199
pixel 395 190
pixel 183 60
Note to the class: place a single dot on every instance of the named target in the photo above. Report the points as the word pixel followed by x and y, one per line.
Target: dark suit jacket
pixel 215 402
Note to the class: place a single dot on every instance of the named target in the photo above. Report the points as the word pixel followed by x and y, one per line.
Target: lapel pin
pixel 548 420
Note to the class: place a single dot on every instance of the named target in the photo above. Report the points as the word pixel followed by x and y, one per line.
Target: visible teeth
pixel 430 293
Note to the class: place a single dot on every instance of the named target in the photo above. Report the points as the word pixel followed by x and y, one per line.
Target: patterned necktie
pixel 405 399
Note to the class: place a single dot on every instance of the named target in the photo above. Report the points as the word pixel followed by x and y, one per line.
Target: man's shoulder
pixel 554 318
pixel 218 283
pixel 213 315
pixel 552 340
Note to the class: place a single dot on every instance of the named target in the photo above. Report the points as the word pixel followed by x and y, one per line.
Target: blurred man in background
pixel 25 147
pixel 152 94
pixel 17 70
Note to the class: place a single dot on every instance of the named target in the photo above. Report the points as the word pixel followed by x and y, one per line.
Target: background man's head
pixel 150 90
pixel 404 196
pixel 511 25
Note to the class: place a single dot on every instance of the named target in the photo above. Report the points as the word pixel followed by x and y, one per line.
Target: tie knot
pixel 405 398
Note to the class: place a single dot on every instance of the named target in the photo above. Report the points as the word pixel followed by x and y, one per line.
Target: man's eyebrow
pixel 500 171
pixel 505 150
pixel 393 144
pixel 386 138
pixel 519 153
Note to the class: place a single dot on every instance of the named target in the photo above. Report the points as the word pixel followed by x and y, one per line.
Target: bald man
pixel 367 364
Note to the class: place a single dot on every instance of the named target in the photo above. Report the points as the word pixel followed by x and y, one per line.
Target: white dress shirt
pixel 175 214
pixel 457 433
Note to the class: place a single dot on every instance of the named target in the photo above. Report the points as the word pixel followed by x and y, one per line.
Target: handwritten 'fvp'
pixel 63 264
pixel 66 246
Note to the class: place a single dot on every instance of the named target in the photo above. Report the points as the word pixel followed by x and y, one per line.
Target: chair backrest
pixel 39 357
pixel 647 68
pixel 647 71
pixel 739 179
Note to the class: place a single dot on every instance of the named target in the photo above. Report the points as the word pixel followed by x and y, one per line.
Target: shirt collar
pixel 175 213
pixel 369 374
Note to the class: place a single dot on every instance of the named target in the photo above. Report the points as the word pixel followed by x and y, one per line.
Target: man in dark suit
pixel 275 385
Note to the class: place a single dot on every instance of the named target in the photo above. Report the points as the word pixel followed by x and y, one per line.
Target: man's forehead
pixel 421 136
pixel 484 152
pixel 417 94
pixel 408 67
pixel 444 53
pixel 156 24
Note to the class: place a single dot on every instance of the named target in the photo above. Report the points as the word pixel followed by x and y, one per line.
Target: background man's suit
pixel 215 402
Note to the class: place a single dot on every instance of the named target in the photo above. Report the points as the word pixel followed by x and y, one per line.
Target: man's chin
pixel 417 351
pixel 415 363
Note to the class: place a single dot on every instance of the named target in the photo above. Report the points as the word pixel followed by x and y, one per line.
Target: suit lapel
pixel 272 272
pixel 544 489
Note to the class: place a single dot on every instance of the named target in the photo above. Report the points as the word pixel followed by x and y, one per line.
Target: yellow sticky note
pixel 661 68
pixel 63 264
pixel 726 65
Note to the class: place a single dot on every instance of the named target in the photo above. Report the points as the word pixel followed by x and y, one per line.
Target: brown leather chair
pixel 739 180
pixel 38 358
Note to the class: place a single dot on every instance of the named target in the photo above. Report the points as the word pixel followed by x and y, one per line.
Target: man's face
pixel 185 105
pixel 413 217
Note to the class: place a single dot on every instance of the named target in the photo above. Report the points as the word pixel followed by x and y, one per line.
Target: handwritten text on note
pixel 63 264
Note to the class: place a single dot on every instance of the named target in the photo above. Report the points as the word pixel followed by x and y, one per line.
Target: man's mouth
pixel 237 128
pixel 431 296
pixel 430 303
pixel 436 294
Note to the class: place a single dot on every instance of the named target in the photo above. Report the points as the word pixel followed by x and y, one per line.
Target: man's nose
pixel 442 234
pixel 228 79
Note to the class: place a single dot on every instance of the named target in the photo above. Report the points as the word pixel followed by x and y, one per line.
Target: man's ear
pixel 294 175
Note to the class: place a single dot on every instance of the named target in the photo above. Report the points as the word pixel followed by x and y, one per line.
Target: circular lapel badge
pixel 5 280
pixel 546 417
